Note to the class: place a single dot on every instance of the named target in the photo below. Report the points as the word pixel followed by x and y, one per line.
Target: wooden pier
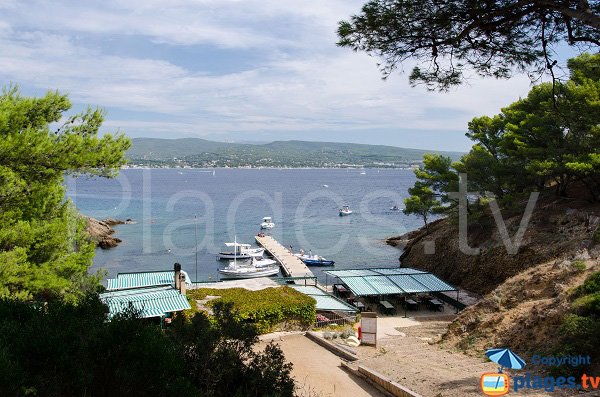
pixel 291 265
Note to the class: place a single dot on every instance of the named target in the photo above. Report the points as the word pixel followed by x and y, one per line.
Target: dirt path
pixel 318 372
pixel 428 369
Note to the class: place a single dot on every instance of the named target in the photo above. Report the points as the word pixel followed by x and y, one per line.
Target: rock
pixel 113 222
pixel 582 255
pixel 109 242
pixel 101 232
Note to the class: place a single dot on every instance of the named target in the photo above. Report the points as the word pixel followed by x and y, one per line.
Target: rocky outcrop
pixel 101 231
pixel 556 229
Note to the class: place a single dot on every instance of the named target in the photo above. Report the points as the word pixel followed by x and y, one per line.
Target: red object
pixel 359 333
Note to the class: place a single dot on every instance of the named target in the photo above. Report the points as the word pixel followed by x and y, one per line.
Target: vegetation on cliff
pixel 531 217
pixel 44 252
pixel 551 138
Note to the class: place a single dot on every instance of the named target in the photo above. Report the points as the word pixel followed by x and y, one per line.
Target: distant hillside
pixel 197 152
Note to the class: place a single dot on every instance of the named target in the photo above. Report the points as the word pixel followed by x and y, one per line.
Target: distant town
pixel 200 153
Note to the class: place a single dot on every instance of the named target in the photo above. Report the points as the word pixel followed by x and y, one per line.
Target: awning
pixel 143 279
pixel 325 301
pixel 390 281
pixel 150 302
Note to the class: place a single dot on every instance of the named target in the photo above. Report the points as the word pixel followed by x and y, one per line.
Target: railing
pixel 326 318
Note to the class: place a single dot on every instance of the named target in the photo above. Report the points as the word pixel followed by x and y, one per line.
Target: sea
pixel 186 215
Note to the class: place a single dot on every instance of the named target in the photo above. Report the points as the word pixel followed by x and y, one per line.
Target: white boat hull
pixel 267 225
pixel 245 254
pixel 251 272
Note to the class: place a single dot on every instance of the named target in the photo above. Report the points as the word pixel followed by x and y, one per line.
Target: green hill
pixel 197 152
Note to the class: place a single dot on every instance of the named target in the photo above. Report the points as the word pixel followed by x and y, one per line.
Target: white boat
pixel 240 251
pixel 267 223
pixel 262 262
pixel 395 208
pixel 325 185
pixel 345 210
pixel 236 271
pixel 363 173
pixel 233 270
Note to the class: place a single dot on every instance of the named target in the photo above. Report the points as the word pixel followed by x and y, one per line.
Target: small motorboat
pixel 240 251
pixel 363 173
pixel 325 185
pixel 345 210
pixel 395 208
pixel 314 260
pixel 267 223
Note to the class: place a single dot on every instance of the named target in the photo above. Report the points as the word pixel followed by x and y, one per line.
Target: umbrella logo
pixel 498 384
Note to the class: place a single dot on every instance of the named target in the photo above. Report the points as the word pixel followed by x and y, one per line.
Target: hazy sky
pixel 245 70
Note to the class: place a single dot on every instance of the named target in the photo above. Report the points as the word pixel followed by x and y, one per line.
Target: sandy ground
pixel 406 352
pixel 318 372
pixel 413 361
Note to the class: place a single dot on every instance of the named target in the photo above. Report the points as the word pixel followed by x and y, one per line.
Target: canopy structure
pixel 149 302
pixel 390 281
pixel 143 279
pixel 325 302
pixel 152 294
pixel 237 245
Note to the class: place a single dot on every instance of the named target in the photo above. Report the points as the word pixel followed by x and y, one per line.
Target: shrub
pixel 579 265
pixel 265 308
pixel 63 350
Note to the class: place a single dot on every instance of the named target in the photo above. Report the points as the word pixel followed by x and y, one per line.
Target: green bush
pixel 579 265
pixel 59 349
pixel 580 329
pixel 590 286
pixel 265 308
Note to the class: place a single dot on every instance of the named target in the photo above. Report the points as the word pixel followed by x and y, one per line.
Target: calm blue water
pixel 232 202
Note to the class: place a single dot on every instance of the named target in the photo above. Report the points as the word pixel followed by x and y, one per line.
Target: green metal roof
pixel 388 281
pixel 143 279
pixel 324 300
pixel 150 302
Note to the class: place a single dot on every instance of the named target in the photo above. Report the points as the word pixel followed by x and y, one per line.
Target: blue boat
pixel 314 260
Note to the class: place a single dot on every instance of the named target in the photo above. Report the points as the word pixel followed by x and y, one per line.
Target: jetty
pixel 290 264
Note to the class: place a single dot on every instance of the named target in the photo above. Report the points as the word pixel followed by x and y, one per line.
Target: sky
pixel 231 70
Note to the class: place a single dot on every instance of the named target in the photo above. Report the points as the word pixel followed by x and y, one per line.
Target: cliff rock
pixel 101 232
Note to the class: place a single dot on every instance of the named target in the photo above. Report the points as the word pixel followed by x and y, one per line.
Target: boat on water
pixel 345 210
pixel 363 173
pixel 267 223
pixel 395 208
pixel 247 270
pixel 234 270
pixel 240 251
pixel 314 260
pixel 262 262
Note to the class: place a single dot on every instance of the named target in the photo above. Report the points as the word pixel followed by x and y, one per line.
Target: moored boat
pixel 345 210
pixel 314 260
pixel 240 251
pixel 234 270
pixel 267 223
